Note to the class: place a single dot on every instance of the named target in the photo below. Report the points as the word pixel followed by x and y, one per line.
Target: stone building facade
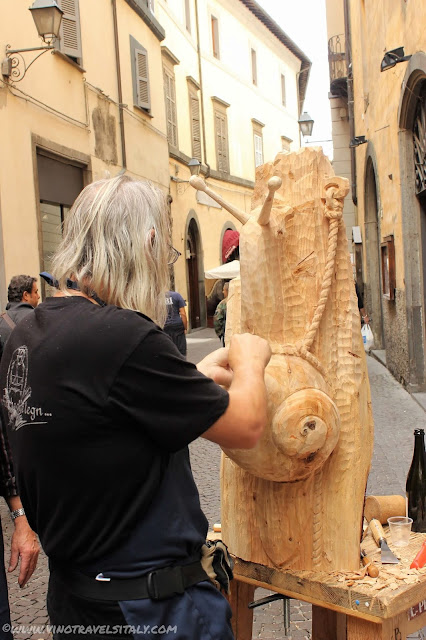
pixel 385 84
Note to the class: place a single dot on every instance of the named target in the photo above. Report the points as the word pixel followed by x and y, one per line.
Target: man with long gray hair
pixel 101 407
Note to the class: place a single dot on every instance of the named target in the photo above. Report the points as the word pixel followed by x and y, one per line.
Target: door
pixel 192 258
pixel 372 246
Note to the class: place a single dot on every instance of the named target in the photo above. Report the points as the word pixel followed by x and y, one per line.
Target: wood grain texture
pixel 296 500
pixel 328 624
pixel 242 617
pixel 371 598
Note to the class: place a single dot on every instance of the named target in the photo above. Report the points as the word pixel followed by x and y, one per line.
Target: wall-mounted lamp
pixel 47 18
pixel 194 167
pixel 306 124
pixel 391 58
pixel 355 142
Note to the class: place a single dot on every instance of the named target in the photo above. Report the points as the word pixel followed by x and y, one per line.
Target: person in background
pixel 364 315
pixel 24 544
pixel 23 297
pixel 220 315
pixel 176 324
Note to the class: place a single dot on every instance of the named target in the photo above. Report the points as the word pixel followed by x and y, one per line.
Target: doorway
pixel 194 264
pixel 419 147
pixel 372 246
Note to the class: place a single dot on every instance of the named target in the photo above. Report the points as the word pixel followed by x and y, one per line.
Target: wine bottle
pixel 416 484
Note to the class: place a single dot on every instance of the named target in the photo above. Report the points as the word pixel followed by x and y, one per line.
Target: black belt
pixel 156 585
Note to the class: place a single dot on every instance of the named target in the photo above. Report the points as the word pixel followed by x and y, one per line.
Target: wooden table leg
pixel 396 628
pixel 328 624
pixel 359 629
pixel 242 617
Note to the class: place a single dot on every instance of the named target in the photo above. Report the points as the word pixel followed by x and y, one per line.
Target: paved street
pixel 396 415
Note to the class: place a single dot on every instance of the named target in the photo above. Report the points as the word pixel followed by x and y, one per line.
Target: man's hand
pixel 246 350
pixel 25 546
pixel 216 366
pixel 242 424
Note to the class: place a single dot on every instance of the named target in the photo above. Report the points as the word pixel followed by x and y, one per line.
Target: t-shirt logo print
pixel 17 393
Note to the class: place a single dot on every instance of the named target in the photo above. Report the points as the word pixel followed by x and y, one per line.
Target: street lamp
pixel 194 166
pixel 306 124
pixel 47 17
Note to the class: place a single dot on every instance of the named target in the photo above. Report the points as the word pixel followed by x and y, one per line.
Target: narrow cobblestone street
pixel 396 415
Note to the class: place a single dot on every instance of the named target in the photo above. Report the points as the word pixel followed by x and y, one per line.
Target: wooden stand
pixel 360 611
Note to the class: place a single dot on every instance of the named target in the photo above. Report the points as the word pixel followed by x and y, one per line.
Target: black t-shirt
pixel 99 404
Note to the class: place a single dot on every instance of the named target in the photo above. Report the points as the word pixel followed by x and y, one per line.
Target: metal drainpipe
pixel 200 75
pixel 120 90
pixel 350 83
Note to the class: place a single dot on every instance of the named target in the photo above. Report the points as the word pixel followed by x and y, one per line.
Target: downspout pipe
pixel 200 77
pixel 350 84
pixel 119 86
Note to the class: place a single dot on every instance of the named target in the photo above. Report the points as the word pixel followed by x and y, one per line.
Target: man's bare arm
pixel 241 368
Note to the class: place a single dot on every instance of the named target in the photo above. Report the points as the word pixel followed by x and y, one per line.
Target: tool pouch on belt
pixel 218 564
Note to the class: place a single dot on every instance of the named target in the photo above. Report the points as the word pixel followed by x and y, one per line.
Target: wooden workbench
pixel 346 605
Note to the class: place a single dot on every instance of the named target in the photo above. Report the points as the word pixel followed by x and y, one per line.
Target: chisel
pixel 387 557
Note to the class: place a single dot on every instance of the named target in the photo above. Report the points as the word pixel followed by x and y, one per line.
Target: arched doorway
pixel 372 248
pixel 412 139
pixel 195 276
pixel 419 144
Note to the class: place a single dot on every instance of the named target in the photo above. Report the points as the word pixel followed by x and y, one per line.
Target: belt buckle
pixel 165 583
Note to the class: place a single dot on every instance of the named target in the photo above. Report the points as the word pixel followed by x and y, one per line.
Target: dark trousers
pixel 5 633
pixel 177 335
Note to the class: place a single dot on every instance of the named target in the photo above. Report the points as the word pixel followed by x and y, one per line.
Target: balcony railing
pixel 337 58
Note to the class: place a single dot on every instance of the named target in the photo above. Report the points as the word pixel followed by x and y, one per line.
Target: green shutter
pixel 142 78
pixel 195 127
pixel 70 36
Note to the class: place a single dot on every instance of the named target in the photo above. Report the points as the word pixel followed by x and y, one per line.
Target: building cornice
pixel 139 6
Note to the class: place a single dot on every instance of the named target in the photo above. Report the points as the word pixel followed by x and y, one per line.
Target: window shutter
pixel 142 79
pixel 283 96
pixel 195 127
pixel 258 150
pixel 215 37
pixel 70 38
pixel 187 16
pixel 221 142
pixel 253 67
pixel 171 115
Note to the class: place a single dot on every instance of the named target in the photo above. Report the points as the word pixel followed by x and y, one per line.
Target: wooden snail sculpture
pixel 296 499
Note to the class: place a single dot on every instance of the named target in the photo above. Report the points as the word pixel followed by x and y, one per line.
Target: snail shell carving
pixel 303 424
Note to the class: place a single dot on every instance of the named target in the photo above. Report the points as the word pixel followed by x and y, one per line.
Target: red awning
pixel 231 240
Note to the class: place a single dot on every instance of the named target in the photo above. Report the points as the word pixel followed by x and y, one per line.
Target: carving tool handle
pixel 372 570
pixel 377 531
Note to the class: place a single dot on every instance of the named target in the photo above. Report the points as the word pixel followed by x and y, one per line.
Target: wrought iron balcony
pixel 337 64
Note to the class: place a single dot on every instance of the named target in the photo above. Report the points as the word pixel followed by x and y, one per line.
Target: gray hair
pixel 115 244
